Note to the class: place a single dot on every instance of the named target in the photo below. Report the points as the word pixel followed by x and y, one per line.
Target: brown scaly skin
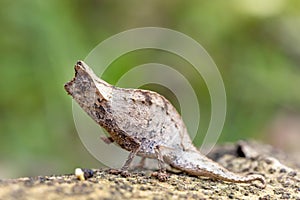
pixel 145 124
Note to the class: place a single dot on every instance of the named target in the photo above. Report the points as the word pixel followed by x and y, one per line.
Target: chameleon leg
pixel 129 159
pixel 124 169
pixel 107 140
pixel 141 164
pixel 162 174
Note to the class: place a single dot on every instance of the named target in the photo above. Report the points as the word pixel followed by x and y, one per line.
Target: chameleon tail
pixel 194 163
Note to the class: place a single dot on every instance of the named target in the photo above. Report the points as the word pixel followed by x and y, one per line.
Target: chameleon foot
pixel 123 173
pixel 161 176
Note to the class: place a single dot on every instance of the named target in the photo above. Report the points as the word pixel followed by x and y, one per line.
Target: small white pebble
pixel 79 174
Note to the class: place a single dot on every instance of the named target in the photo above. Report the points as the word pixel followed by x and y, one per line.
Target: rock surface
pixel 282 175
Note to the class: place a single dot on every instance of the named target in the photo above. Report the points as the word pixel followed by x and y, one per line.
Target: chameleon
pixel 146 124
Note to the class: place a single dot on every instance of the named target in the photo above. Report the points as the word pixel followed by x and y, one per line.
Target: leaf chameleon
pixel 147 125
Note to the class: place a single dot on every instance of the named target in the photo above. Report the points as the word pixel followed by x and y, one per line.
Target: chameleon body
pixel 146 124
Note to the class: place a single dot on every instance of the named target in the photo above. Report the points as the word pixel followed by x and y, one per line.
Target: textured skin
pixel 146 124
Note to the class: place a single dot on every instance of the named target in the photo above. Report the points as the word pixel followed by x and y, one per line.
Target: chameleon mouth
pixel 68 86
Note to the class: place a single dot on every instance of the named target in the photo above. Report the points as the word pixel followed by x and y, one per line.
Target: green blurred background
pixel 255 44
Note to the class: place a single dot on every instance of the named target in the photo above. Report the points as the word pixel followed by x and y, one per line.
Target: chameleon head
pixel 80 69
pixel 86 87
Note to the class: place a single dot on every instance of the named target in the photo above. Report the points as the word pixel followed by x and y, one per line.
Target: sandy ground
pixel 281 172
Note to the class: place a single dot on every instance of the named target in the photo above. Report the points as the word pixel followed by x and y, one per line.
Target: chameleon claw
pixel 161 176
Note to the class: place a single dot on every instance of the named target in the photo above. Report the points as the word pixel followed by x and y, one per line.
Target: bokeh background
pixel 255 44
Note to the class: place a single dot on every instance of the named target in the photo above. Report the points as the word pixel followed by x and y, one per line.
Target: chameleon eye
pixel 79 63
